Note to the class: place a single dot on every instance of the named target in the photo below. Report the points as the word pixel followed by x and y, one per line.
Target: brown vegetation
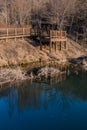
pixel 21 11
pixel 21 52
pixel 66 14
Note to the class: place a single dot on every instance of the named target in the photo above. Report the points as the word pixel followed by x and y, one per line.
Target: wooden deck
pixel 58 40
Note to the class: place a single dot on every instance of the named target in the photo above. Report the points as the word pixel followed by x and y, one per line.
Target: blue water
pixel 46 105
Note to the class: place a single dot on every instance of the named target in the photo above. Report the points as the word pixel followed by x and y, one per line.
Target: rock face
pixel 48 71
pixel 21 51
pixel 9 75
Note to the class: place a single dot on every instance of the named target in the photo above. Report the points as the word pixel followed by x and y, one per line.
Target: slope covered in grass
pixel 21 51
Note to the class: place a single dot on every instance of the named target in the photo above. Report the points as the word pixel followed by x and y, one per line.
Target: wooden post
pixel 55 46
pixel 60 40
pixel 23 31
pixel 40 44
pixel 76 36
pixel 29 31
pixel 60 34
pixel 15 33
pixel 60 46
pixel 65 44
pixel 50 43
pixel 50 46
pixel 6 34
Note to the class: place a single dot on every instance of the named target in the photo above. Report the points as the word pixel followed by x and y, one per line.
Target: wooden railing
pixel 57 35
pixel 14 32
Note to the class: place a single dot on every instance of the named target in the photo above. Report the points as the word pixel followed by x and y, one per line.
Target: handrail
pixel 57 34
pixel 8 32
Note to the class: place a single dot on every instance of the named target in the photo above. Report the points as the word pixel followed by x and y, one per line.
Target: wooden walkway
pixel 8 33
pixel 57 39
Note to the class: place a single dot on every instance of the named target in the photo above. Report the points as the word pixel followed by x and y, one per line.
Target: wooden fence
pixel 6 33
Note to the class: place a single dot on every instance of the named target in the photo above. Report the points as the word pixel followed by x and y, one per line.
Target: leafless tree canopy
pixel 19 12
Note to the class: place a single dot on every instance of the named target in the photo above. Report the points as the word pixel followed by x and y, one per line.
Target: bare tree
pixel 3 11
pixel 61 9
pixel 22 10
pixel 19 11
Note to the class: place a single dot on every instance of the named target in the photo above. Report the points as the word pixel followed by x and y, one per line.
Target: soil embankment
pixel 22 52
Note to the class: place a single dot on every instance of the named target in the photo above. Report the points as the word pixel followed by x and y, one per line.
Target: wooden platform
pixel 58 39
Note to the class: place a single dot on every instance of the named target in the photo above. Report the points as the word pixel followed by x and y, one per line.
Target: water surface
pixel 58 104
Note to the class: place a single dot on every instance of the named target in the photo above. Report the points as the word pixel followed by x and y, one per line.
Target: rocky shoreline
pixel 40 72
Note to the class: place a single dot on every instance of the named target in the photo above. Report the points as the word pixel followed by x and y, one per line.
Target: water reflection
pixel 59 93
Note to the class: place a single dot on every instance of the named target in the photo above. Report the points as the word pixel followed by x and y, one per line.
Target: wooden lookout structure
pixel 58 40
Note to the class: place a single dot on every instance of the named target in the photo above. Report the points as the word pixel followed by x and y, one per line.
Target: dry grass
pixel 21 51
pixel 9 75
